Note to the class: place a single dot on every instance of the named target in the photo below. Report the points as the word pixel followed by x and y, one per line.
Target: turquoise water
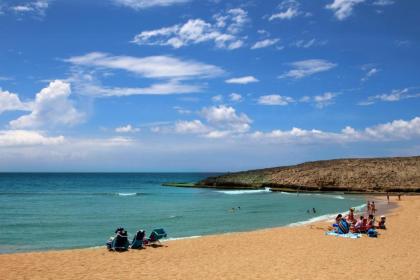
pixel 46 211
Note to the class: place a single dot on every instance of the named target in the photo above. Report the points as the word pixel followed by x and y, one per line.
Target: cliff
pixel 399 174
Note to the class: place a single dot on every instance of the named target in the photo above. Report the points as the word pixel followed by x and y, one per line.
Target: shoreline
pixel 302 252
pixel 322 219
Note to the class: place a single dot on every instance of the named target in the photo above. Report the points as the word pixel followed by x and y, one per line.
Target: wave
pixel 316 194
pixel 181 238
pixel 126 194
pixel 325 217
pixel 235 192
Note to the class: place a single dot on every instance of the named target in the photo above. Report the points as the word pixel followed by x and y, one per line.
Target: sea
pixel 51 211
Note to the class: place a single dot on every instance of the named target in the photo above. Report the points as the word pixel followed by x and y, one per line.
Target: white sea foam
pixel 181 238
pixel 315 194
pixel 326 217
pixel 235 192
pixel 126 194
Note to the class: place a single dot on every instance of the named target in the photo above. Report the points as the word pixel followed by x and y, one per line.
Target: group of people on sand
pixel 120 242
pixel 368 224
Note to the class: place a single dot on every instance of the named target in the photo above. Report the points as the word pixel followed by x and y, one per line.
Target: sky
pixel 205 85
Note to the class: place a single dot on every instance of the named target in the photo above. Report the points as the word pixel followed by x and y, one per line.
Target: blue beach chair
pixel 120 243
pixel 138 240
pixel 156 235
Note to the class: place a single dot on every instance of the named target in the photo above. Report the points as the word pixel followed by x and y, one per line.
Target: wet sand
pixel 303 252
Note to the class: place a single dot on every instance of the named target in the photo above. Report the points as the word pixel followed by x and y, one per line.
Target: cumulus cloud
pixel 394 96
pixel 223 32
pixel 51 107
pixel 190 127
pixel 325 99
pixel 127 129
pixel 264 43
pixel 395 130
pixel 275 99
pixel 288 10
pixel 308 67
pixel 11 102
pixel 235 97
pixel 343 8
pixel 144 4
pixel 225 117
pixel 10 138
pixel 242 80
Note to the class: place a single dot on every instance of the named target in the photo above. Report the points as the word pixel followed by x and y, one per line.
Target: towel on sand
pixel 347 235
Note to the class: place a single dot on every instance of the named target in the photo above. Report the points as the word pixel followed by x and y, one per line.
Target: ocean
pixel 46 211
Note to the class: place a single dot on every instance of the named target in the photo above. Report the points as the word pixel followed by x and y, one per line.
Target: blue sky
pixel 188 85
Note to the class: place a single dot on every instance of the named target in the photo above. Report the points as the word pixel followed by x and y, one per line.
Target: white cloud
pixel 150 66
pixel 223 32
pixel 275 99
pixel 343 8
pixel 190 127
pixel 51 107
pixel 127 129
pixel 383 2
pixel 289 9
pixel 305 44
pixel 235 97
pixel 35 8
pixel 11 102
pixel 370 71
pixel 308 67
pixel 395 130
pixel 242 80
pixel 225 117
pixel 217 98
pixel 164 88
pixel 182 111
pixel 394 96
pixel 144 4
pixel 264 43
pixel 324 100
pixel 10 138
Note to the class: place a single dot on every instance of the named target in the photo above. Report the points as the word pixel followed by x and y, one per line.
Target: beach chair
pixel 156 235
pixel 120 243
pixel 138 240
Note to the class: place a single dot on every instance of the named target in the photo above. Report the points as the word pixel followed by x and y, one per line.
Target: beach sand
pixel 302 252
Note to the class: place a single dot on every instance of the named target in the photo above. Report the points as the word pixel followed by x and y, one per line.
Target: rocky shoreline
pixel 370 175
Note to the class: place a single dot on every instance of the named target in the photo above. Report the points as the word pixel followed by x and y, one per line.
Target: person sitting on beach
pixel 381 223
pixel 371 222
pixel 360 225
pixel 350 217
pixel 341 225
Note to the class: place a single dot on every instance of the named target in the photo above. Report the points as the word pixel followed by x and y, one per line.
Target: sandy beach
pixel 303 252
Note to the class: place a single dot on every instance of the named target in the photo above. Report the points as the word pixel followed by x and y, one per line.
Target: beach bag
pixel 372 233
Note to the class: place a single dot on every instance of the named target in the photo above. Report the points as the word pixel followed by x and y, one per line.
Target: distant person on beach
pixel 399 196
pixel 387 197
pixel 313 210
pixel 373 208
pixel 369 208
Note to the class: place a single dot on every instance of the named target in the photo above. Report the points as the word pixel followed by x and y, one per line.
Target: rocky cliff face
pixel 400 174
